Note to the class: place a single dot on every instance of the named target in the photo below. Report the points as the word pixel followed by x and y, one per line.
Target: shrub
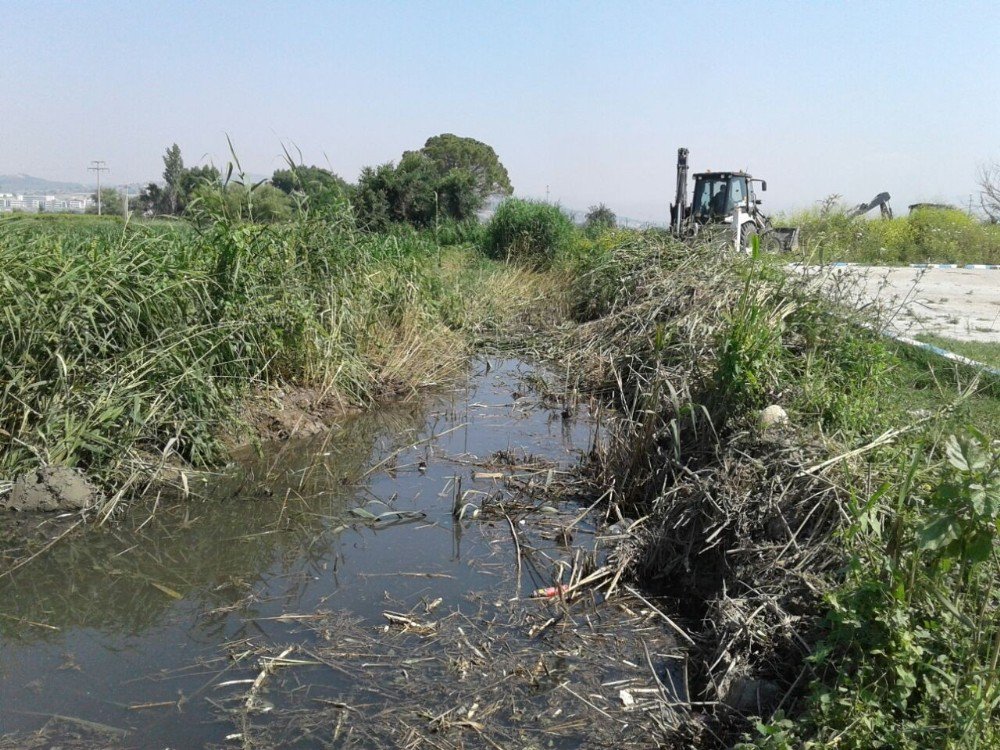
pixel 600 218
pixel 528 232
pixel 926 235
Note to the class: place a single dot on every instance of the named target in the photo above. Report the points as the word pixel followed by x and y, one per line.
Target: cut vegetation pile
pixel 840 567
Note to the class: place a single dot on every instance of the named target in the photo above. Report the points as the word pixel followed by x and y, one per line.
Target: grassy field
pixel 840 567
pixel 980 351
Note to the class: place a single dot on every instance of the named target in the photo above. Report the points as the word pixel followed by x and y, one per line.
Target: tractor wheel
pixel 747 231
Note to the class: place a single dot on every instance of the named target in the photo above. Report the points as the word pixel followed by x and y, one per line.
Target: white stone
pixel 773 415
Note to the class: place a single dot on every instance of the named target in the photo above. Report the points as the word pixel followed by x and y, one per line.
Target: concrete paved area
pixel 958 303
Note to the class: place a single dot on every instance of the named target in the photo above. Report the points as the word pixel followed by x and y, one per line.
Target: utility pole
pixel 125 201
pixel 98 166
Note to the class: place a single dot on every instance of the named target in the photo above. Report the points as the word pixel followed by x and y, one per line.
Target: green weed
pixel 130 341
pixel 528 232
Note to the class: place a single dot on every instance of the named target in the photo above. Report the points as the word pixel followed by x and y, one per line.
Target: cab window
pixel 737 191
pixel 712 197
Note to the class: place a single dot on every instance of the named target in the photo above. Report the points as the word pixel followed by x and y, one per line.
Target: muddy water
pixel 124 626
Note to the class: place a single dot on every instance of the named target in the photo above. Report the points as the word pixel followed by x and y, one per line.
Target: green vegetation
pixel 528 232
pixel 321 186
pixel 448 179
pixel 451 153
pixel 599 218
pixel 112 202
pixel 981 351
pixel 925 236
pixel 180 185
pixel 235 201
pixel 841 567
pixel 120 345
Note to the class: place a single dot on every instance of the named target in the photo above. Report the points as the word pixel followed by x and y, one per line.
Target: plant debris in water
pixel 545 673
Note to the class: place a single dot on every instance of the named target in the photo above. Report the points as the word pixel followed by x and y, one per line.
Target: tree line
pixel 450 177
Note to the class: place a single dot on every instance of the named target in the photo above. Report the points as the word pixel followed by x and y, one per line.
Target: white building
pixel 64 203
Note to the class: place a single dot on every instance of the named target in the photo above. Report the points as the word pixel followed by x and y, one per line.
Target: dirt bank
pixel 51 488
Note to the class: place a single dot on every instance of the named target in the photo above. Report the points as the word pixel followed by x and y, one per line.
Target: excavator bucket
pixel 786 238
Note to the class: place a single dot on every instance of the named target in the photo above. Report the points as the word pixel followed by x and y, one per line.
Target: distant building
pixel 35 203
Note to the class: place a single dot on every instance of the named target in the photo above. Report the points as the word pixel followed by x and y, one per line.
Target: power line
pixel 98 166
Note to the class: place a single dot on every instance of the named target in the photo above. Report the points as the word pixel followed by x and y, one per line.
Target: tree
pixel 153 200
pixel 312 181
pixel 449 151
pixel 449 178
pixel 322 189
pixel 372 198
pixel 600 217
pixel 457 196
pixel 111 202
pixel 262 203
pixel 407 192
pixel 191 179
pixel 173 174
pixel 180 185
pixel 989 195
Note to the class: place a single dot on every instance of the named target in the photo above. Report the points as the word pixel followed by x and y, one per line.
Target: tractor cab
pixel 718 194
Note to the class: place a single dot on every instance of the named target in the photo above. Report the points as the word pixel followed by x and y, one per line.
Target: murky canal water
pixel 143 628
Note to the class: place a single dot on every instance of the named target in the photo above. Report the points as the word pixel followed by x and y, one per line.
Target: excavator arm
pixel 881 200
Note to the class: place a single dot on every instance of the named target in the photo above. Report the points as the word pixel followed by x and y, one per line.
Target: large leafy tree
pixel 450 152
pixel 372 200
pixel 322 189
pixel 193 178
pixel 407 192
pixel 448 178
pixel 309 180
pixel 260 203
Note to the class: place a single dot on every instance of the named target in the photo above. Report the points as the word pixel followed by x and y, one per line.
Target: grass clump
pixel 528 232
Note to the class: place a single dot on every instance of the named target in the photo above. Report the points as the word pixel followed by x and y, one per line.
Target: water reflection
pixel 269 516
pixel 123 617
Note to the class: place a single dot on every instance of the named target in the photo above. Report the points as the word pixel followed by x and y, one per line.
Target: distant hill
pixel 25 183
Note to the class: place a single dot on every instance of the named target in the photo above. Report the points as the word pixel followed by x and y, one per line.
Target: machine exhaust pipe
pixel 680 201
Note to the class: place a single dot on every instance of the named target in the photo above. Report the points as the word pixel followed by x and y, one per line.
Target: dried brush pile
pixel 738 519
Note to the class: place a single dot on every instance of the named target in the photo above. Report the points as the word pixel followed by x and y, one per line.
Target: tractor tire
pixel 747 231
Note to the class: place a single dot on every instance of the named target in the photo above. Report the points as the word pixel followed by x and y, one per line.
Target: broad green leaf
pixel 978 550
pixel 938 533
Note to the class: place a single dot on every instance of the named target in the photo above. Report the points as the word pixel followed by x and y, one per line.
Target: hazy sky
pixel 589 99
